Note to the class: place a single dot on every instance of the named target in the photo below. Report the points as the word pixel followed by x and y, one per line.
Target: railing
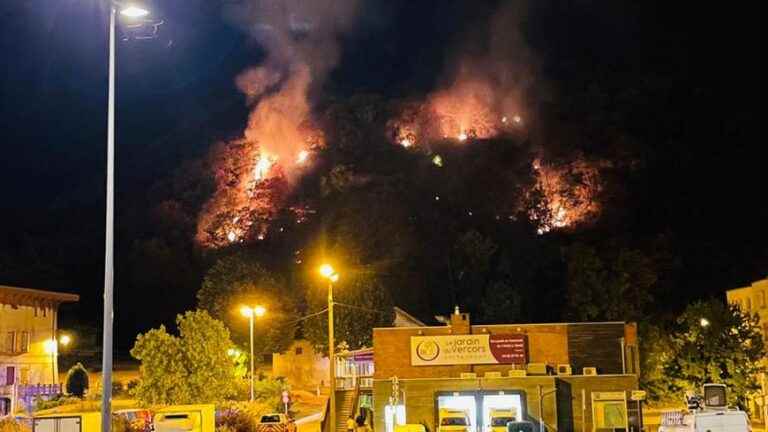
pixel 352 382
pixel 34 390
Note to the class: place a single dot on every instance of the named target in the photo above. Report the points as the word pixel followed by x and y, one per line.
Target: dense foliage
pixel 239 280
pixel 192 367
pixel 77 381
pixel 710 342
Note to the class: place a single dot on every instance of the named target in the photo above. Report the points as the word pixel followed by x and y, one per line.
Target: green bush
pixel 77 380
pixel 56 401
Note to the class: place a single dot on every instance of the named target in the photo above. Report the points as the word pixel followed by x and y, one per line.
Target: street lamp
pixel 65 340
pixel 327 271
pixel 131 12
pixel 704 322
pixel 250 313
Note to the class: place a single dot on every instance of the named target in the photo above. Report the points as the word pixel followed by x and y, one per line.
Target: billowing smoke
pixel 254 174
pixel 484 91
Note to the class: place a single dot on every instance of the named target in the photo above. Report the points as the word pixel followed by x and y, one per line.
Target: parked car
pixel 276 423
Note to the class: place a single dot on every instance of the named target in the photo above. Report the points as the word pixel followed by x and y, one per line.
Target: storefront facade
pixel 566 377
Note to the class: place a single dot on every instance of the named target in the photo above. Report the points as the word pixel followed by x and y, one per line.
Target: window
pixel 749 305
pixel 761 299
pixel 24 342
pixel 393 415
pixel 271 418
pixel 10 375
pixel 299 350
pixel 610 415
pixel 10 342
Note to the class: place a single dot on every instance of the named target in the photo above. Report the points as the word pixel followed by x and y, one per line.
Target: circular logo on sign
pixel 427 350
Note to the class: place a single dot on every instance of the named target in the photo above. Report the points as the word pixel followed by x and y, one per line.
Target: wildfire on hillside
pixel 467 110
pixel 568 194
pixel 253 175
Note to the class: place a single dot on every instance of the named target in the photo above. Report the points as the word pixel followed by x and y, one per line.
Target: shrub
pixel 235 420
pixel 77 380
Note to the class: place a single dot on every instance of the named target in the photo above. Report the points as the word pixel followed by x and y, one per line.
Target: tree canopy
pixel 362 303
pixel 710 342
pixel 193 367
pixel 241 279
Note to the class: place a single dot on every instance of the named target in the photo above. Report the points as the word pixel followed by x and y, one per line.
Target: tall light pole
pixel 329 273
pixel 251 313
pixel 106 342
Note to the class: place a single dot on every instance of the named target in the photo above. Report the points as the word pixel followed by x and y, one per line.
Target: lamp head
pixel 133 11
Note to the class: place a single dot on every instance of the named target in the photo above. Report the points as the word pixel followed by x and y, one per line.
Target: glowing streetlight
pixel 327 271
pixel 65 340
pixel 704 322
pixel 250 312
pixel 50 346
pixel 130 12
pixel 133 11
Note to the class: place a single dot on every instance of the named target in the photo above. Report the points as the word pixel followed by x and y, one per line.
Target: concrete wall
pixel 301 366
pixel 35 366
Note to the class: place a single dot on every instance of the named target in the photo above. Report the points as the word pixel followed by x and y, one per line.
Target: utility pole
pixel 331 357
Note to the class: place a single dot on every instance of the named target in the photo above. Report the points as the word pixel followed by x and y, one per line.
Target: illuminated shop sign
pixel 469 349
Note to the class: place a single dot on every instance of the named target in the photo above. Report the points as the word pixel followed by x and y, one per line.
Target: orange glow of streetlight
pixel 327 271
pixel 65 340
pixel 49 346
pixel 257 311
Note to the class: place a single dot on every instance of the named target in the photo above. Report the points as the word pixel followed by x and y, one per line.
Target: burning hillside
pixel 254 174
pixel 567 194
pixel 467 110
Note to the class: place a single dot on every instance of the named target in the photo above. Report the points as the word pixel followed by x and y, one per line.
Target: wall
pixel 36 366
pixel 561 403
pixel 305 370
pixel 580 345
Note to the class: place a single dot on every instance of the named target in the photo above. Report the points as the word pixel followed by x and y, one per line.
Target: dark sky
pixel 176 96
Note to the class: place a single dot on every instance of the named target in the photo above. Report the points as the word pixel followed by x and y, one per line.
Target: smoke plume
pixel 254 173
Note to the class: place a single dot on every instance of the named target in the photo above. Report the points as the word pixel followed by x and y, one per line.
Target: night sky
pixel 691 69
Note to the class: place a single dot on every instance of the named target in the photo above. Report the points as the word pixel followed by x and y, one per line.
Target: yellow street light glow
pixel 327 271
pixel 334 277
pixel 134 12
pixel 49 346
pixel 246 311
pixel 65 340
pixel 259 311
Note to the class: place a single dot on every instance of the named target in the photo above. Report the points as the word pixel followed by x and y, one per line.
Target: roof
pixel 32 297
pixel 408 317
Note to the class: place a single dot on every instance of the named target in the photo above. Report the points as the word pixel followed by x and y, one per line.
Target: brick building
pixel 567 377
